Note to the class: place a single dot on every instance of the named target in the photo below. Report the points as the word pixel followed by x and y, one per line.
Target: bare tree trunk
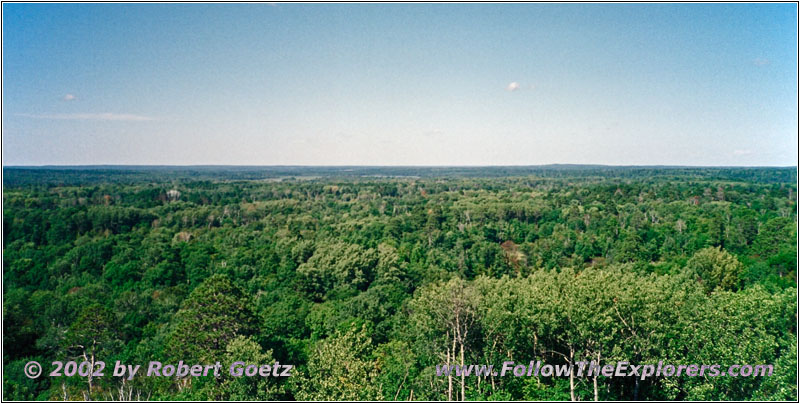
pixel 401 385
pixel 91 374
pixel 463 382
pixel 596 395
pixel 571 376
pixel 461 341
pixel 88 395
pixel 450 374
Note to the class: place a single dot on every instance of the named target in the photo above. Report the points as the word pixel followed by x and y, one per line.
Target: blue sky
pixel 400 84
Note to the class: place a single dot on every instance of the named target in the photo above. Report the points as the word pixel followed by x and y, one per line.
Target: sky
pixel 400 84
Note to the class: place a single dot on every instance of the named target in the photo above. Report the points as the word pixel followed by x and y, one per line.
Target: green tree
pixel 716 268
pixel 340 368
pixel 92 338
pixel 215 313
pixel 337 267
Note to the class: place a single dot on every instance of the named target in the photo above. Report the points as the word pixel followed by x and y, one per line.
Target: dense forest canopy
pixel 366 278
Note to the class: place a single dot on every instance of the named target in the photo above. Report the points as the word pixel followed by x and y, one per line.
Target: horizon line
pixel 51 166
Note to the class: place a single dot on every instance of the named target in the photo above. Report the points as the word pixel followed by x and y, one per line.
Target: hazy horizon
pixel 57 166
pixel 393 85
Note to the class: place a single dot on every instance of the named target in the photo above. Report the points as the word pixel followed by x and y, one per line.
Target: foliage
pixel 367 278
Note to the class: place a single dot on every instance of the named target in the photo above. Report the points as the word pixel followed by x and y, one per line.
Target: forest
pixel 367 278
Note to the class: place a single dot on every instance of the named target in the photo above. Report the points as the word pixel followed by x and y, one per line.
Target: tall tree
pixel 214 314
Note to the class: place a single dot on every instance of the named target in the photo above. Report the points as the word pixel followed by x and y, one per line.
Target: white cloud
pixel 513 86
pixel 106 116
pixel 69 97
pixel 742 152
